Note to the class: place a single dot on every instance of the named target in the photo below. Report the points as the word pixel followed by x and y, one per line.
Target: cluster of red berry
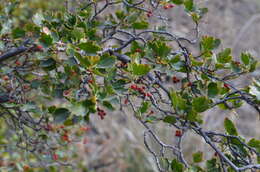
pixel 178 133
pixel 226 86
pixel 138 50
pixel 5 78
pixel 123 65
pixel 101 113
pixel 168 6
pixel 149 13
pixel 141 90
pixel 65 137
pixel 175 79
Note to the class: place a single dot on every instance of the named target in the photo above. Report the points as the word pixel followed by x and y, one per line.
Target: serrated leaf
pixel 106 61
pixel 140 25
pixel 177 2
pixel 209 43
pixel 224 56
pixel 89 47
pixel 169 119
pixel 176 166
pixel 212 90
pixel 46 40
pixel 177 101
pixel 188 4
pixel 245 58
pixel 230 127
pixel 140 69
pixel 60 115
pixel 197 157
pixel 144 107
pixel 200 104
pixel 18 33
pixel 48 64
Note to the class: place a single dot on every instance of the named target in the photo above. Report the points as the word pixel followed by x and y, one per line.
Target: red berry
pixel 55 157
pixel 171 5
pixel 189 84
pixel 138 50
pixel 26 167
pixel 215 154
pixel 175 79
pixel 66 93
pixel 48 127
pixel 18 63
pixel 101 113
pixel 65 137
pixel 90 81
pixel 151 112
pixel 6 78
pixel 26 86
pixel 226 85
pixel 149 14
pixel 134 87
pixel 237 63
pixel 39 47
pixel 126 101
pixel 85 129
pixel 178 133
pixel 148 94
pixel 166 7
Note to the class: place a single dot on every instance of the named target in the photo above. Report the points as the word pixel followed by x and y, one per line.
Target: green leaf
pixel 224 56
pixel 209 43
pixel 18 33
pixel 169 119
pixel 245 58
pixel 144 107
pixel 177 2
pixel 197 157
pixel 200 104
pixel 188 5
pixel 211 166
pixel 108 105
pixel 89 47
pixel 48 64
pixel 83 60
pixel 140 25
pixel 213 90
pixel 78 33
pixel 140 69
pixel 160 48
pixel 106 61
pixel 255 144
pixel 253 65
pixel 230 127
pixel 177 101
pixel 60 115
pixel 176 166
pixel 46 40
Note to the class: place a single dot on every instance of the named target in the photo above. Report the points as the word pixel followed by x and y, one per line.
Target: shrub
pixel 108 55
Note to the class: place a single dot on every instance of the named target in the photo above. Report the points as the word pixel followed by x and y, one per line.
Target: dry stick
pixel 14 52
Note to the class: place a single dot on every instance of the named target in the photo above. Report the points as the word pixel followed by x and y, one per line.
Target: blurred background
pixel 115 144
